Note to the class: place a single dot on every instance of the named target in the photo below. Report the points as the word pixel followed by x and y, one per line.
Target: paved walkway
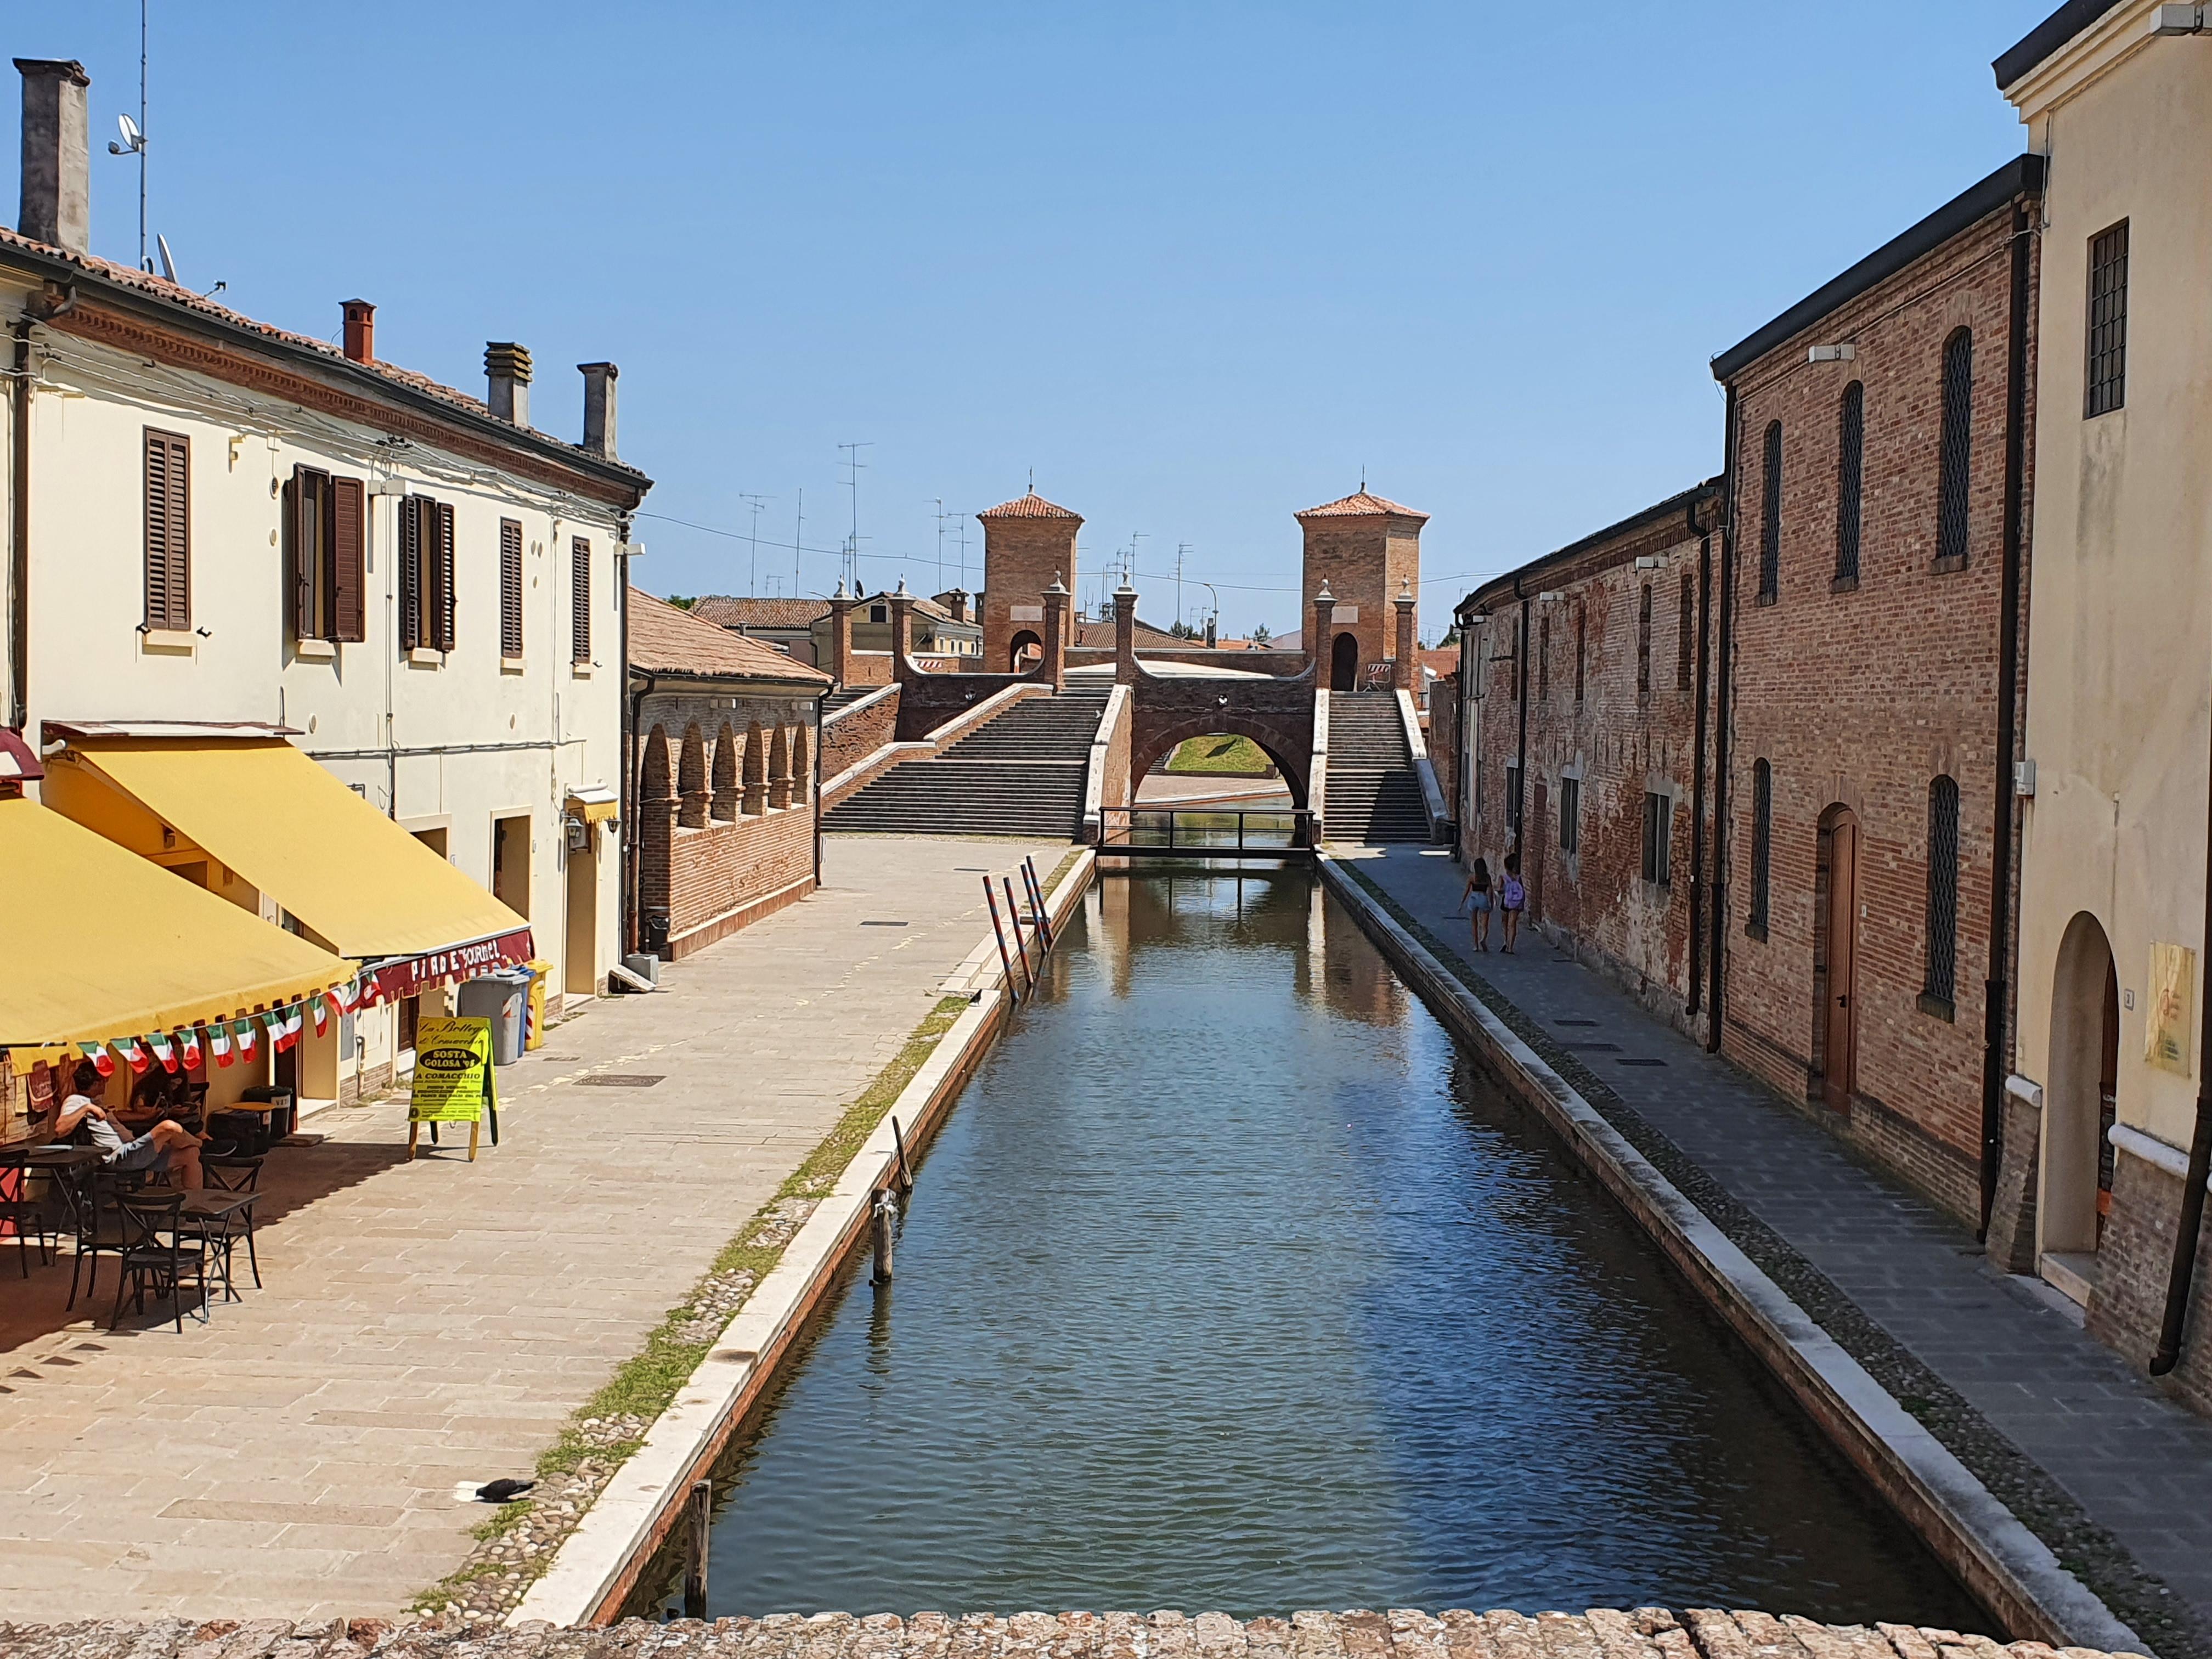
pixel 2138 1466
pixel 431 1325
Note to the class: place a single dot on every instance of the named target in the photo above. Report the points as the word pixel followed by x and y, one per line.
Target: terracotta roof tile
pixel 663 636
pixel 1031 506
pixel 160 288
pixel 1360 504
pixel 725 610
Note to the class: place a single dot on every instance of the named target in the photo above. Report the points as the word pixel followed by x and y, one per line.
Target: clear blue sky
pixel 1197 265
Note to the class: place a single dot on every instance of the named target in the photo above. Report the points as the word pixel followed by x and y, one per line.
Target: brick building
pixel 1868 717
pixel 1029 545
pixel 1366 550
pixel 1583 746
pixel 728 770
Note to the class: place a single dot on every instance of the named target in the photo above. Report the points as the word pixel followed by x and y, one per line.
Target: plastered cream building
pixel 2104 1111
pixel 330 640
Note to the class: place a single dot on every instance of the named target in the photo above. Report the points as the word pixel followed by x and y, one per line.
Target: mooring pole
pixel 698 1514
pixel 885 1212
pixel 1037 898
pixel 1006 962
pixel 1021 945
pixel 905 1175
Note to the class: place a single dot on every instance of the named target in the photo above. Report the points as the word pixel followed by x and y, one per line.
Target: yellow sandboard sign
pixel 453 1078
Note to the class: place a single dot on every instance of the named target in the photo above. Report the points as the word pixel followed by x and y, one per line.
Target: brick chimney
pixel 599 407
pixel 57 200
pixel 360 330
pixel 507 370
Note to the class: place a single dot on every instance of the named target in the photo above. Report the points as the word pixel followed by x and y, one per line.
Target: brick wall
pixel 2135 1259
pixel 853 735
pixel 1858 694
pixel 1364 560
pixel 1022 557
pixel 1443 739
pixel 727 874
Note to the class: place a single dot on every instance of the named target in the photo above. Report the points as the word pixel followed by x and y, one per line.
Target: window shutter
pixel 168 530
pixel 444 614
pixel 510 587
pixel 410 571
pixel 580 560
pixel 348 521
pixel 299 549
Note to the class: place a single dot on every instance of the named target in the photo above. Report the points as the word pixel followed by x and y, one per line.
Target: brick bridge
pixel 1078 769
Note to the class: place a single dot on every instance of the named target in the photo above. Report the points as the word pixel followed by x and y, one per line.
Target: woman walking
pixel 1477 892
pixel 1511 896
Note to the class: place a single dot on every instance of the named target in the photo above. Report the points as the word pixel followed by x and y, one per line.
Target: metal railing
pixel 1284 832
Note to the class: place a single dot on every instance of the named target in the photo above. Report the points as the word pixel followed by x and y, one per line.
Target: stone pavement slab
pixel 2024 1383
pixel 431 1325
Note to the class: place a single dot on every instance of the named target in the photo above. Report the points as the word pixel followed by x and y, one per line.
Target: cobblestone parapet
pixel 1601 1633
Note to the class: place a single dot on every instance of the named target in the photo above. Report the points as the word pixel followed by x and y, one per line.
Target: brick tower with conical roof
pixel 1367 549
pixel 1029 543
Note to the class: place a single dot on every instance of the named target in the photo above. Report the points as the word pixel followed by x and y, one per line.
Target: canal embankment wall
pixel 1401 1633
pixel 601 1562
pixel 1993 1554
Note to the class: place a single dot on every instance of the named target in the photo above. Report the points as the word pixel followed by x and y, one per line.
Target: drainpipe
pixel 625 910
pixel 625 930
pixel 19 536
pixel 1722 674
pixel 2191 1227
pixel 1521 760
pixel 1995 993
pixel 1693 1000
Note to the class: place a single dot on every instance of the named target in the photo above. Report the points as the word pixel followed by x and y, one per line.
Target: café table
pixel 221 1218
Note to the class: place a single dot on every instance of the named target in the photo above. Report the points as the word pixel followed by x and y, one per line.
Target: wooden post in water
pixel 885 1212
pixel 1021 945
pixel 905 1171
pixel 1006 962
pixel 1036 896
pixel 698 1515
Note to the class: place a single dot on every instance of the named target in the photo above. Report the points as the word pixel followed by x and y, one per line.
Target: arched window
pixel 1762 843
pixel 1851 473
pixel 1643 645
pixel 1958 446
pixel 1770 517
pixel 1942 890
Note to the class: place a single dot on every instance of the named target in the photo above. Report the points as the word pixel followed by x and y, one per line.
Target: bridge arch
pixel 1024 651
pixel 1151 745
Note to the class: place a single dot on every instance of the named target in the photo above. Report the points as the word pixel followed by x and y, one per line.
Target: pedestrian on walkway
pixel 1477 893
pixel 1511 896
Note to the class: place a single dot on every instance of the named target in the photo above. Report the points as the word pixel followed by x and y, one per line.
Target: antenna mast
pixel 752 539
pixel 143 266
pixel 1181 548
pixel 854 462
pixel 798 525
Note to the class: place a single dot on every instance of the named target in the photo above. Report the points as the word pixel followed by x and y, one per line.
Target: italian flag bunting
pixel 322 1009
pixel 219 1043
pixel 98 1054
pixel 163 1052
pixel 191 1038
pixel 249 1038
pixel 134 1057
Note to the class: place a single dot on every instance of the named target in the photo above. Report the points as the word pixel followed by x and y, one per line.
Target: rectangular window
pixel 1770 517
pixel 1543 657
pixel 426 575
pixel 2108 319
pixel 1581 650
pixel 580 582
pixel 1643 645
pixel 510 589
pixel 168 530
pixel 1658 837
pixel 1571 815
pixel 323 522
pixel 1762 844
pixel 1941 983
pixel 1686 644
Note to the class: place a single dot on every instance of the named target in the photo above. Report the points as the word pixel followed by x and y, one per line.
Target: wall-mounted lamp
pixel 1832 354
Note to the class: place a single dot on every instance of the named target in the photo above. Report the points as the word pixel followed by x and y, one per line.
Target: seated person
pixel 166 1144
pixel 155 1095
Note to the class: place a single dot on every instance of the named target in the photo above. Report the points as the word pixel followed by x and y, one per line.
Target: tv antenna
pixel 942 515
pixel 1181 548
pixel 133 143
pixel 752 537
pixel 855 467
pixel 797 525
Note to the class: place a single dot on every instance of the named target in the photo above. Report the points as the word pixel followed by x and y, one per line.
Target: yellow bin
pixel 538 970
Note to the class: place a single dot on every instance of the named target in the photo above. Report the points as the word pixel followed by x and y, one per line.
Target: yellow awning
pixel 593 805
pixel 292 830
pixel 102 943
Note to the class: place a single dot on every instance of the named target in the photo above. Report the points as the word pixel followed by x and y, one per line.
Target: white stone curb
pixel 2013 1556
pixel 593 1561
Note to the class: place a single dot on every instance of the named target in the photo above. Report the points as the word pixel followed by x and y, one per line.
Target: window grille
pixel 1850 458
pixel 1770 525
pixel 2108 319
pixel 1543 657
pixel 1643 645
pixel 1685 646
pixel 1571 815
pixel 1942 888
pixel 1581 650
pixel 1658 836
pixel 1762 841
pixel 1958 444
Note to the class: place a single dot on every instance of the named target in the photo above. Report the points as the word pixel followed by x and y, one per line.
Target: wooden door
pixel 1841 1053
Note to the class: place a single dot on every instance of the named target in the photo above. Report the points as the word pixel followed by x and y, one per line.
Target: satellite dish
pixel 168 265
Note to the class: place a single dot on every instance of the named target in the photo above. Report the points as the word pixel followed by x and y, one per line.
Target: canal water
pixel 1229 1284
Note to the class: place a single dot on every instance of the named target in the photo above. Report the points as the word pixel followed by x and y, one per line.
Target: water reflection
pixel 1229 1284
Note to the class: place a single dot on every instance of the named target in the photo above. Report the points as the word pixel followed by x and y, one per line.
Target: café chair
pixel 159 1245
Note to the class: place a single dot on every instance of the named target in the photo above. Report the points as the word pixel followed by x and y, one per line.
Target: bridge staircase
pixel 844 696
pixel 1374 794
pixel 1021 774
